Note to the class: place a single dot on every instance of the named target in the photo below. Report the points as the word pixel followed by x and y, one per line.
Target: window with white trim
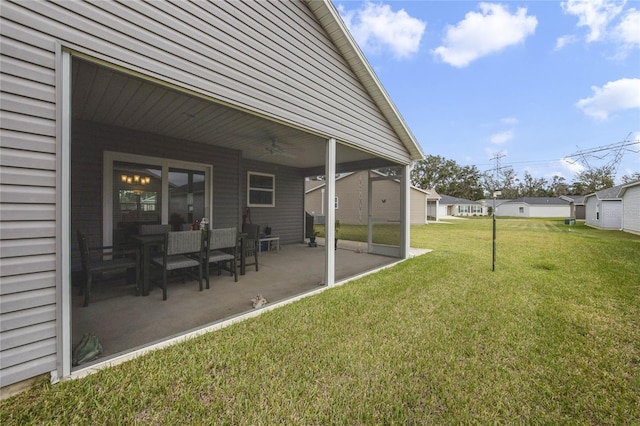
pixel 261 189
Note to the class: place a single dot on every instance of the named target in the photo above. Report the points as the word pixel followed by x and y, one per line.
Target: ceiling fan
pixel 276 148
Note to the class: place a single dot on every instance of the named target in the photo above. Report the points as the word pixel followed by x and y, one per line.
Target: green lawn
pixel 551 337
pixel 383 233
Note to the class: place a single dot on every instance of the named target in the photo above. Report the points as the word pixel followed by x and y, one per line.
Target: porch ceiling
pixel 107 96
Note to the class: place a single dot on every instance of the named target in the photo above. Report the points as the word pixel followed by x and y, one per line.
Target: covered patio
pixel 126 116
pixel 123 322
pixel 200 159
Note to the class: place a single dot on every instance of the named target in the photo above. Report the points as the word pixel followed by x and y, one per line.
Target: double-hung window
pixel 261 189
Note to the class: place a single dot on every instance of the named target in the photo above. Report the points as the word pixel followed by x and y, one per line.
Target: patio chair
pixel 183 250
pixel 222 250
pixel 154 229
pixel 108 260
pixel 250 244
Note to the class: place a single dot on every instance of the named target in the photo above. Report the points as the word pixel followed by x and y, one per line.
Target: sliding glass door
pixel 147 190
pixel 186 197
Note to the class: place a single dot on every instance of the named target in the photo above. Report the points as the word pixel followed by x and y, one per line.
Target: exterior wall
pixel 549 211
pixel 231 51
pixel 286 219
pixel 580 212
pixel 353 199
pixel 611 214
pixel 592 210
pixel 445 210
pixel 418 207
pixel 631 209
pixel 28 203
pixel 533 210
pixel 512 209
pixel 313 202
pixel 605 214
pixel 432 210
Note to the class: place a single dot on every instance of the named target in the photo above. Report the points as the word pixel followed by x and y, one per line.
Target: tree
pixel 594 179
pixel 630 178
pixel 532 187
pixel 505 181
pixel 447 177
pixel 557 187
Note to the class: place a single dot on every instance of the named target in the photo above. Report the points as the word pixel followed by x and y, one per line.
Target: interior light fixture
pixel 135 179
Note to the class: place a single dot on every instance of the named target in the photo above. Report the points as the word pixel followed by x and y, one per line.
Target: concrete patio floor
pixel 124 322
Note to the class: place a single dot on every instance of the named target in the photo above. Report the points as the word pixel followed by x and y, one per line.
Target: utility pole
pixel 495 193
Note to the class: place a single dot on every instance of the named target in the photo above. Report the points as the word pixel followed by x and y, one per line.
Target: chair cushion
pixel 219 256
pixel 110 265
pixel 177 261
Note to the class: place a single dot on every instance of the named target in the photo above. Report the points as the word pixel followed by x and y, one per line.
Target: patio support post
pixel 330 216
pixel 63 220
pixel 405 213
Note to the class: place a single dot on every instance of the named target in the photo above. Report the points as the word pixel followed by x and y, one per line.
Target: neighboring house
pixel 433 205
pixel 535 207
pixel 454 206
pixel 578 205
pixel 603 209
pixel 116 114
pixel 352 199
pixel 630 195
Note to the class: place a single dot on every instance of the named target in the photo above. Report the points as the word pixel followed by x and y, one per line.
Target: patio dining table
pixel 148 242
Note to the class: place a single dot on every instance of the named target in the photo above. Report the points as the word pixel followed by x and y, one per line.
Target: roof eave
pixel 330 19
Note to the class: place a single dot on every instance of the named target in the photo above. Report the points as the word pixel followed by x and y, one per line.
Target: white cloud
pixel 614 96
pixel 628 30
pixel 377 28
pixel 594 14
pixel 565 40
pixel 510 120
pixel 485 32
pixel 502 137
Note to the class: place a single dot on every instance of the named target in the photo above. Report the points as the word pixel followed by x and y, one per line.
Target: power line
pixel 616 150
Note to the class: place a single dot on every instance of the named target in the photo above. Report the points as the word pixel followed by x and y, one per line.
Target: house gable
pixel 274 60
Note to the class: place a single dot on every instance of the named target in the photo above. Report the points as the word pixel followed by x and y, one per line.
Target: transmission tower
pixel 613 152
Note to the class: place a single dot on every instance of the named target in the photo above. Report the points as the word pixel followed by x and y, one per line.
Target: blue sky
pixel 533 81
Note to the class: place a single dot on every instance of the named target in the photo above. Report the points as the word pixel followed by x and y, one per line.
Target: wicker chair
pixel 183 250
pixel 222 250
pixel 107 260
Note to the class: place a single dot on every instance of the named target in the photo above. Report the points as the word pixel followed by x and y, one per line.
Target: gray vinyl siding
pixel 631 209
pixel 27 204
pixel 270 57
pixel 286 219
pixel 418 207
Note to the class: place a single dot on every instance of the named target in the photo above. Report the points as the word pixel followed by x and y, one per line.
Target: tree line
pixel 449 178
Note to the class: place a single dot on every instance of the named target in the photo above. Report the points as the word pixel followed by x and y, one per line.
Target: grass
pixel 551 337
pixel 383 233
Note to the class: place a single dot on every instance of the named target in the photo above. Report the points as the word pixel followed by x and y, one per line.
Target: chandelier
pixel 135 179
